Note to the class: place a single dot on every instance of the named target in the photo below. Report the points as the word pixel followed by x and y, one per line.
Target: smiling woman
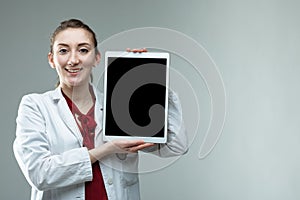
pixel 73 57
pixel 59 145
pixel 61 42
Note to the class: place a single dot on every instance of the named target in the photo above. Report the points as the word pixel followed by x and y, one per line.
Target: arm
pixel 42 168
pixel 117 146
pixel 177 143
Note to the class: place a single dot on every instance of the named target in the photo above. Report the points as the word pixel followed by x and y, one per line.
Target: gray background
pixel 255 44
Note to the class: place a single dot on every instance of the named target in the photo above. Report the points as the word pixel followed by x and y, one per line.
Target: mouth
pixel 75 70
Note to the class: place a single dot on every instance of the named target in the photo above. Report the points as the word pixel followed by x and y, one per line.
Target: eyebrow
pixel 80 44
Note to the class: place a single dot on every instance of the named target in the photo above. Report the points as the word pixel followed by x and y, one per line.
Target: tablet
pixel 136 96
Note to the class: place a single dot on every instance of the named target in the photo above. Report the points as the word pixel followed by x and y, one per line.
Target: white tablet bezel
pixel 136 55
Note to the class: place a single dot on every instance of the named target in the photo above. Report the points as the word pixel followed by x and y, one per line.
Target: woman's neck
pixel 80 96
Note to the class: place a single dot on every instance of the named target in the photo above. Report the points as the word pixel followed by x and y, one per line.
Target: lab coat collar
pixel 57 95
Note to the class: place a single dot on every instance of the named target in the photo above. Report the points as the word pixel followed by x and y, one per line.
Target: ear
pixel 98 58
pixel 50 60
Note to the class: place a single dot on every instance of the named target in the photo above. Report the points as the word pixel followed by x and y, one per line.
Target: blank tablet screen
pixel 136 97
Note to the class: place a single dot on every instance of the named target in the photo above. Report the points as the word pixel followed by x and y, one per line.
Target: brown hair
pixel 72 23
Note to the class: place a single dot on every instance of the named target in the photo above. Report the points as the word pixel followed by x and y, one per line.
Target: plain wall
pixel 254 43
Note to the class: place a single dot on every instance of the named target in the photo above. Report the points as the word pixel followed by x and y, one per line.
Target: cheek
pixel 60 61
pixel 89 62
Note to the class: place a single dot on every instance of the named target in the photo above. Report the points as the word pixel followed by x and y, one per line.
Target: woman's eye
pixel 83 50
pixel 63 51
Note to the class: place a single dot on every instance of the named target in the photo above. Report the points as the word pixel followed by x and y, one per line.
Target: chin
pixel 76 83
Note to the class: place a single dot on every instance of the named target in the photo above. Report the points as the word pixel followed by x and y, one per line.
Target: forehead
pixel 73 36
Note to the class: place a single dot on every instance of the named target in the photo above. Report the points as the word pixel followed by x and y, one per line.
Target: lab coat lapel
pixel 98 112
pixel 66 115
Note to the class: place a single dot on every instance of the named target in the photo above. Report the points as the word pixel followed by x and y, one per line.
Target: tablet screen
pixel 136 96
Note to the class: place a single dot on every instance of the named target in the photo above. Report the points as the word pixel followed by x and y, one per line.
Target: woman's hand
pixel 117 146
pixel 137 50
pixel 126 146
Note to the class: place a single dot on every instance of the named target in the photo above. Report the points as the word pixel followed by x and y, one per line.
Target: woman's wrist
pixel 98 153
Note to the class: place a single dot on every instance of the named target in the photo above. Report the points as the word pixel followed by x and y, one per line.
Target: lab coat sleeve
pixel 43 169
pixel 177 142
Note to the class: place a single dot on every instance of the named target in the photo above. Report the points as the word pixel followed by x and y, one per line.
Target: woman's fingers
pixel 137 50
pixel 131 145
pixel 140 147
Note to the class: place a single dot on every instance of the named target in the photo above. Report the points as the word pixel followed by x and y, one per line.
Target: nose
pixel 73 59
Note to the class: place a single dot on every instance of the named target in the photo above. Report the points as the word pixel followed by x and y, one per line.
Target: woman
pixel 59 145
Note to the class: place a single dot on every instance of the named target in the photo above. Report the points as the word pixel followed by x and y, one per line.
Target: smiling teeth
pixel 73 70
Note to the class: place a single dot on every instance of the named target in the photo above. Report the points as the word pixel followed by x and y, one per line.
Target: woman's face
pixel 73 56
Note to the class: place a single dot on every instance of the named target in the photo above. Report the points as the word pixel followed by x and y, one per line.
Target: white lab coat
pixel 49 150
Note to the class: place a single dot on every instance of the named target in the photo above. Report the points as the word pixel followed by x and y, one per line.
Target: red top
pixel 95 189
